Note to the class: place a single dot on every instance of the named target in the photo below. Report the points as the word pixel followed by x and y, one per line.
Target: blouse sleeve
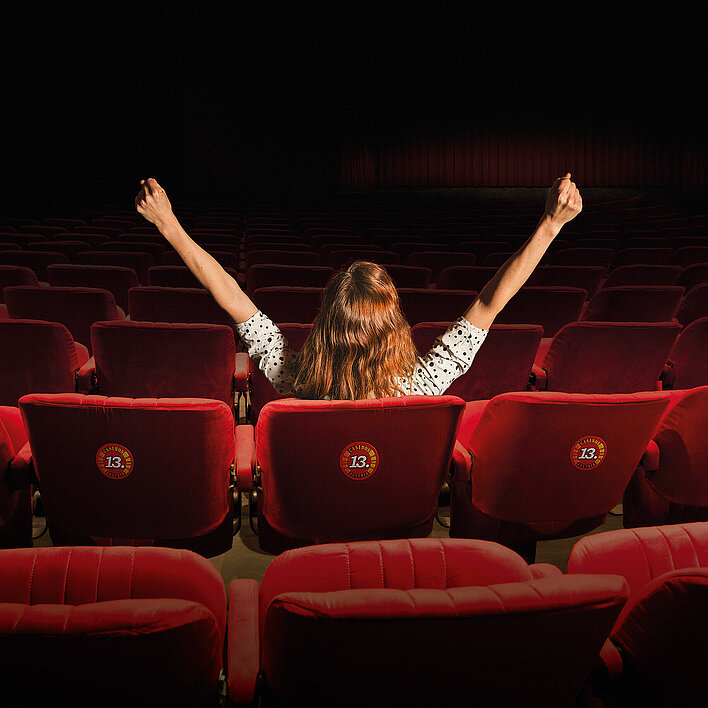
pixel 449 358
pixel 268 348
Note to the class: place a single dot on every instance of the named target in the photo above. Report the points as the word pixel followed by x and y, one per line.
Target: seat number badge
pixel 588 452
pixel 114 461
pixel 359 460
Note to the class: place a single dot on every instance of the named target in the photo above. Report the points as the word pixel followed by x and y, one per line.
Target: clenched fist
pixel 563 202
pixel 153 204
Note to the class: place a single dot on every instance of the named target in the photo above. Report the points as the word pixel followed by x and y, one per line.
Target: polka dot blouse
pixel 450 356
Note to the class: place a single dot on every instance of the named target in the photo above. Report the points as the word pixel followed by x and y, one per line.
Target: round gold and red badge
pixel 359 460
pixel 114 461
pixel 588 452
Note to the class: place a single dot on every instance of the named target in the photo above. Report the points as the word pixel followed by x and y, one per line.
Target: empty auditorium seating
pixel 547 465
pixel 643 256
pixel 658 646
pixel 37 261
pixel 465 277
pixel 344 257
pixel 634 303
pixel 76 308
pixel 670 485
pixel 141 471
pixel 404 276
pixel 158 359
pixel 303 258
pixel 16 275
pixel 69 248
pixel 688 255
pixel 116 279
pixel 393 602
pixel 605 357
pixel 405 248
pixel 549 306
pixel 693 275
pixel 15 501
pixel 687 363
pixel 503 364
pixel 138 261
pixel 289 304
pixel 586 277
pixel 640 274
pixel 434 305
pixel 582 257
pixel 693 305
pixel 437 261
pixel 264 275
pixel 111 626
pixel 358 485
pixel 37 356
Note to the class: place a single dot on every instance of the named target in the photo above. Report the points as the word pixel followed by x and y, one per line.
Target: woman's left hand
pixel 153 204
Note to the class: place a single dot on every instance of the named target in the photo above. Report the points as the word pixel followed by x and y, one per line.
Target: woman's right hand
pixel 153 204
pixel 563 202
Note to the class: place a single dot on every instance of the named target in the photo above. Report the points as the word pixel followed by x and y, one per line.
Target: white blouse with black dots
pixel 449 358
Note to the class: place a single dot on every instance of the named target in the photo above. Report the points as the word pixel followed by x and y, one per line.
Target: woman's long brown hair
pixel 360 345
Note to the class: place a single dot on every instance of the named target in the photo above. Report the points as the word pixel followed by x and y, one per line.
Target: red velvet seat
pixel 341 470
pixel 111 627
pixel 344 257
pixel 695 274
pixel 404 276
pixel 70 248
pixel 689 255
pixel 547 465
pixel 117 279
pixel 465 277
pixel 15 500
pixel 586 277
pixel 93 240
pixel 687 363
pixel 405 248
pixel 437 261
pixel 659 640
pixel 503 364
pixel 156 249
pixel 261 390
pixel 163 360
pixel 583 257
pixel 37 357
pixel 639 274
pixel 37 261
pixel 521 635
pixel 317 240
pixel 670 486
pixel 140 262
pixel 276 257
pixel 605 357
pixel 264 275
pixel 15 275
pixel 76 308
pixel 634 303
pixel 641 256
pixel 289 304
pixel 434 305
pixel 693 305
pixel 552 307
pixel 142 471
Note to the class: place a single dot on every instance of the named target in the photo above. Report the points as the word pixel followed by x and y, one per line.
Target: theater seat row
pixel 521 467
pixel 155 626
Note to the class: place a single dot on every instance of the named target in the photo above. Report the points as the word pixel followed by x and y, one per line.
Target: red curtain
pixel 597 156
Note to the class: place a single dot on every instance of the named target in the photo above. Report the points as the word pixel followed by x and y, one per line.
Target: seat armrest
pixel 461 465
pixel 650 458
pixel 540 376
pixel 545 570
pixel 21 473
pixel 667 376
pixel 245 461
pixel 243 642
pixel 82 353
pixel 241 372
pixel 86 378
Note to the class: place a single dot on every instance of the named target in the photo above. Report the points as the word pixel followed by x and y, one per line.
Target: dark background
pixel 231 102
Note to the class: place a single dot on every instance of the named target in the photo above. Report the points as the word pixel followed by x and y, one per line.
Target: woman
pixel 360 344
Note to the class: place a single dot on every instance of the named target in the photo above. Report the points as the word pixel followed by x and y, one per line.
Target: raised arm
pixel 563 203
pixel 153 204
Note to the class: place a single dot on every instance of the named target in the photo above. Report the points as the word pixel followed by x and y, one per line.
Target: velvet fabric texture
pixel 138 261
pixel 37 261
pixel 588 278
pixel 634 303
pixel 550 306
pixel 168 478
pixel 15 275
pixel 158 359
pixel 15 504
pixel 434 305
pixel 608 357
pixel 309 493
pixel 643 275
pixel 289 304
pixel 437 261
pixel 525 484
pixel 270 255
pixel 694 304
pixel 384 600
pixel 671 488
pixel 688 359
pixel 503 364
pixel 138 626
pixel 117 279
pixel 35 357
pixel 76 308
pixel 263 276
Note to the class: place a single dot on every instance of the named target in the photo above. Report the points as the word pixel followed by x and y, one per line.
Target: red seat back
pixel 503 364
pixel 141 468
pixel 639 274
pixel 159 359
pixel 138 626
pixel 433 305
pixel 357 458
pixel 117 279
pixel 608 357
pixel 688 360
pixel 553 458
pixel 277 257
pixel 634 303
pixel 550 306
pixel 437 261
pixel 37 261
pixel 289 304
pixel 15 275
pixel 139 261
pixel 76 308
pixel 264 275
pixel 694 304
pixel 569 276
